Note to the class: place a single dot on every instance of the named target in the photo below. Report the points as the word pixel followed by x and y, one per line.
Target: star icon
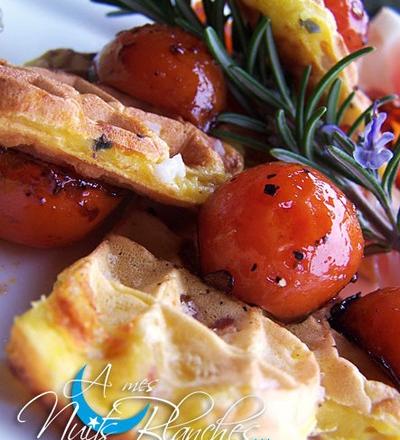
pixel 93 422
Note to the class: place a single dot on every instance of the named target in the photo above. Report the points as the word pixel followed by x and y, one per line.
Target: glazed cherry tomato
pixel 167 68
pixel 287 237
pixel 352 21
pixel 373 321
pixel 42 205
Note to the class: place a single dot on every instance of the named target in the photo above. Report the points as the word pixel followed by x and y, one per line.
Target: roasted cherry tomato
pixel 42 205
pixel 167 68
pixel 373 321
pixel 352 21
pixel 283 236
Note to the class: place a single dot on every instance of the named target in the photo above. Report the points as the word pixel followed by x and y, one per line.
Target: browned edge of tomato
pixel 44 205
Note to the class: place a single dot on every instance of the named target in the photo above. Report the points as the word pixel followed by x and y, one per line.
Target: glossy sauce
pixel 373 322
pixel 290 239
pixel 43 205
pixel 167 68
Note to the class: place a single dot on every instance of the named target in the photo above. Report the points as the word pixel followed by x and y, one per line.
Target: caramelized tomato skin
pixel 167 68
pixel 373 321
pixel 352 21
pixel 44 206
pixel 289 239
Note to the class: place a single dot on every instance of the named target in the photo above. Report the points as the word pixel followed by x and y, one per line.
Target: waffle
pixel 152 319
pixel 353 408
pixel 107 306
pixel 67 120
pixel 306 33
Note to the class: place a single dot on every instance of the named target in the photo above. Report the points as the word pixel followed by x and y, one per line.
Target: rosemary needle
pixel 308 123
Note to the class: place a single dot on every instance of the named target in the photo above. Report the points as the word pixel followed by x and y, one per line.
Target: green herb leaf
pixel 251 86
pixel 292 157
pixel 243 121
pixel 330 76
pixel 285 131
pixel 217 49
pixel 254 45
pixel 277 69
pixel 118 13
pixel 190 16
pixel 344 142
pixel 243 140
pixel 301 102
pixel 308 139
pixel 260 85
pixel 148 8
pixel 368 112
pixel 344 107
pixel 219 18
pixel 242 100
pixel 239 27
pixel 332 102
pixel 392 170
pixel 376 248
pixel 187 26
pixel 367 179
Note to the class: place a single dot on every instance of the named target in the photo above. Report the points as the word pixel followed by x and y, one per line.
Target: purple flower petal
pixel 383 140
pixel 380 159
pixel 371 152
pixel 386 155
pixel 368 135
pixel 372 159
pixel 372 130
pixel 331 129
pixel 362 156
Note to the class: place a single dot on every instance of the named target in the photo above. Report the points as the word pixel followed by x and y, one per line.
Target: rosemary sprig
pixel 243 121
pixel 260 85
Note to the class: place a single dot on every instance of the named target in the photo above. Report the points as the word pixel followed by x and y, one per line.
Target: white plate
pixel 30 28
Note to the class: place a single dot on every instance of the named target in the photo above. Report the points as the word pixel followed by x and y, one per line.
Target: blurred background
pixel 31 27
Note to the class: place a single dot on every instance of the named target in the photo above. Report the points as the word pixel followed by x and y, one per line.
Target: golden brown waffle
pixel 67 120
pixel 306 34
pixel 150 318
pixel 353 407
pixel 106 306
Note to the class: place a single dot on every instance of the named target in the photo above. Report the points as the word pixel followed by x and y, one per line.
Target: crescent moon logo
pixel 97 422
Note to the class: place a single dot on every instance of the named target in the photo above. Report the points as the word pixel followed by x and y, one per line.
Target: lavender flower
pixel 371 151
pixel 328 130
